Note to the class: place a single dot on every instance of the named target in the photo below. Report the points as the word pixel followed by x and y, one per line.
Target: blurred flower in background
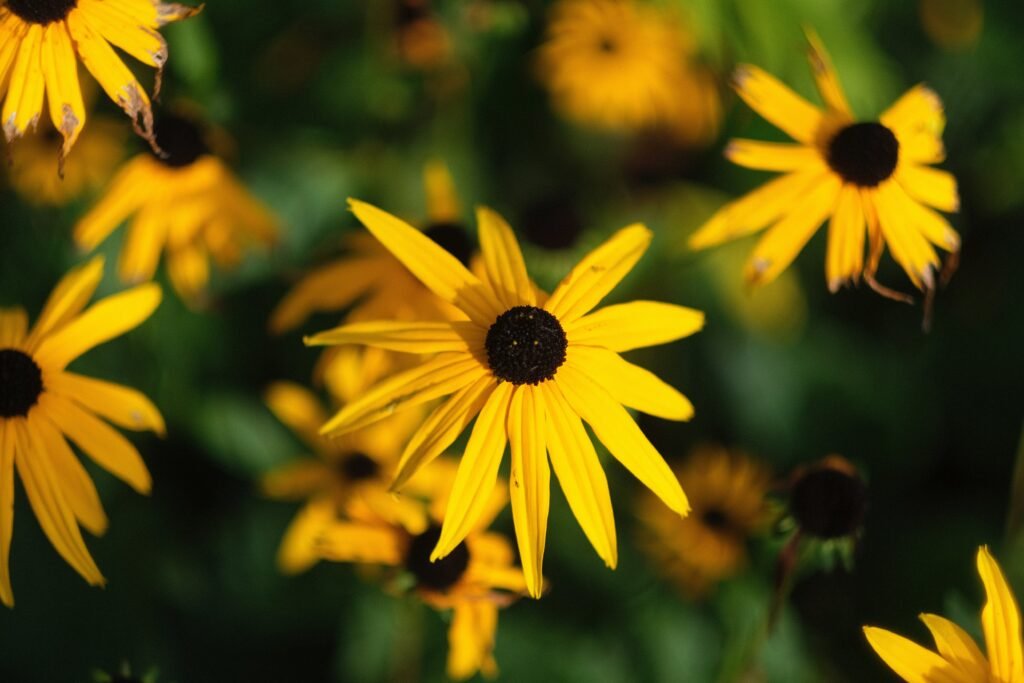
pixel 953 24
pixel 420 38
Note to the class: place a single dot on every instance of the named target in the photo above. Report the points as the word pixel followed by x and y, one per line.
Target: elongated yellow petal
pixel 908 246
pixel 779 105
pixel 580 475
pixel 297 407
pixel 298 550
pixel 477 472
pixel 910 661
pixel 935 228
pixel 932 186
pixel 471 639
pixel 845 258
pixel 623 327
pixel 67 300
pixel 755 210
pixel 362 543
pixel 407 513
pixel 189 270
pixel 1000 620
pixel 127 191
pixel 6 509
pixel 771 156
pixel 126 32
pixel 504 261
pixel 329 288
pixel 124 406
pixel 785 239
pixel 13 325
pixel 75 483
pixel 825 76
pixel 529 481
pixel 441 272
pixel 438 377
pixel 13 28
pixel 104 320
pixel 598 273
pixel 143 244
pixel 105 445
pixel 442 199
pixel 957 648
pixel 918 112
pixel 24 100
pixel 630 384
pixel 405 337
pixel 60 68
pixel 442 427
pixel 620 435
pixel 51 509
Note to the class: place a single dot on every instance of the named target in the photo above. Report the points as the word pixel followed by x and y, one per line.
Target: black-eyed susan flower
pixel 624 66
pixel 959 660
pixel 42 41
pixel 474 581
pixel 183 200
pixel 42 404
pixel 872 180
pixel 527 367
pixel 727 492
pixel 828 499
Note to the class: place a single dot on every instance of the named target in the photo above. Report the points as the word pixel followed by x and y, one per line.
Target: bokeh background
pixel 321 104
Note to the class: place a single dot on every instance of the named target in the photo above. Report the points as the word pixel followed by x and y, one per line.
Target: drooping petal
pixel 630 384
pixel 143 243
pixel 126 193
pixel 1000 620
pixel 75 483
pixel 598 273
pixel 298 408
pixel 124 406
pixel 621 436
pixel 845 257
pixel 910 661
pixel 471 639
pixel 825 76
pixel 330 288
pixel 405 337
pixel 957 648
pixel 6 509
pixel 60 68
pixel 504 261
pixel 529 481
pixel 908 246
pixel 934 187
pixel 299 546
pixel 126 32
pixel 779 105
pixel 771 156
pixel 14 29
pixel 580 475
pixel 634 325
pixel 189 270
pixel 356 542
pixel 478 471
pixel 24 101
pixel 13 325
pixel 67 300
pixel 935 228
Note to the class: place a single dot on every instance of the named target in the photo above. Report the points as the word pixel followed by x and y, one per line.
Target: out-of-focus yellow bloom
pixel 184 201
pixel 952 24
pixel 727 493
pixel 421 39
pixel 959 660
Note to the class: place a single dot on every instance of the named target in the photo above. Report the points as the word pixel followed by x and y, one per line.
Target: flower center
pixel 715 519
pixel 553 223
pixel 180 139
pixel 440 575
pixel 828 503
pixel 864 154
pixel 41 11
pixel 607 45
pixel 525 345
pixel 21 383
pixel 357 467
pixel 451 237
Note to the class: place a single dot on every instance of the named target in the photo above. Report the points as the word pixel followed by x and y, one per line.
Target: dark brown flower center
pixel 864 154
pixel 21 383
pixel 442 574
pixel 357 467
pixel 41 11
pixel 180 139
pixel 716 519
pixel 828 503
pixel 453 238
pixel 525 345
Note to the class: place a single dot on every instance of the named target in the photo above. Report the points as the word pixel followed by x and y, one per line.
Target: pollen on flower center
pixel 41 12
pixel 180 140
pixel 451 237
pixel 357 467
pixel 525 345
pixel 442 574
pixel 21 383
pixel 864 154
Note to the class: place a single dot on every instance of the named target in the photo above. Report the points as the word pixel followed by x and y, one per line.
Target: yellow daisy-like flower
pixel 184 200
pixel 727 493
pixel 527 367
pixel 474 581
pixel 624 66
pixel 41 42
pixel 958 659
pixel 35 171
pixel 868 177
pixel 41 403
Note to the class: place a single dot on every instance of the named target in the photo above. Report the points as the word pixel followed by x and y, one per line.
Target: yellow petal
pixel 580 475
pixel 14 29
pixel 299 546
pixel 825 76
pixel 910 661
pixel 127 191
pixel 105 445
pixel 598 273
pixel 629 384
pixel 932 186
pixel 918 112
pixel 362 543
pixel 124 406
pixel 189 270
pixel 908 246
pixel 506 269
pixel 405 512
pixel 771 156
pixel 471 639
pixel 928 222
pixel 298 408
pixel 1000 620
pixel 75 483
pixel 477 472
pixel 60 67
pixel 104 320
pixel 126 32
pixel 24 100
pixel 441 272
pixel 442 199
pixel 330 288
pixel 13 324
pixel 622 327
pixel 529 481
pixel 405 337
pixel 6 509
pixel 621 436
pixel 781 244
pixel 779 105
pixel 845 258
pixel 957 648
pixel 143 244
pixel 67 300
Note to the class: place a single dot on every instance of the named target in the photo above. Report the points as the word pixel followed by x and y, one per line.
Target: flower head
pixel 527 367
pixel 41 403
pixel 869 178
pixel 959 660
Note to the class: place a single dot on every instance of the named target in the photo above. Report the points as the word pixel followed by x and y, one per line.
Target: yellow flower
pixel 870 177
pixel 477 578
pixel 624 66
pixel 41 402
pixel 727 494
pixel 35 166
pixel 184 200
pixel 958 659
pixel 531 366
pixel 41 42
